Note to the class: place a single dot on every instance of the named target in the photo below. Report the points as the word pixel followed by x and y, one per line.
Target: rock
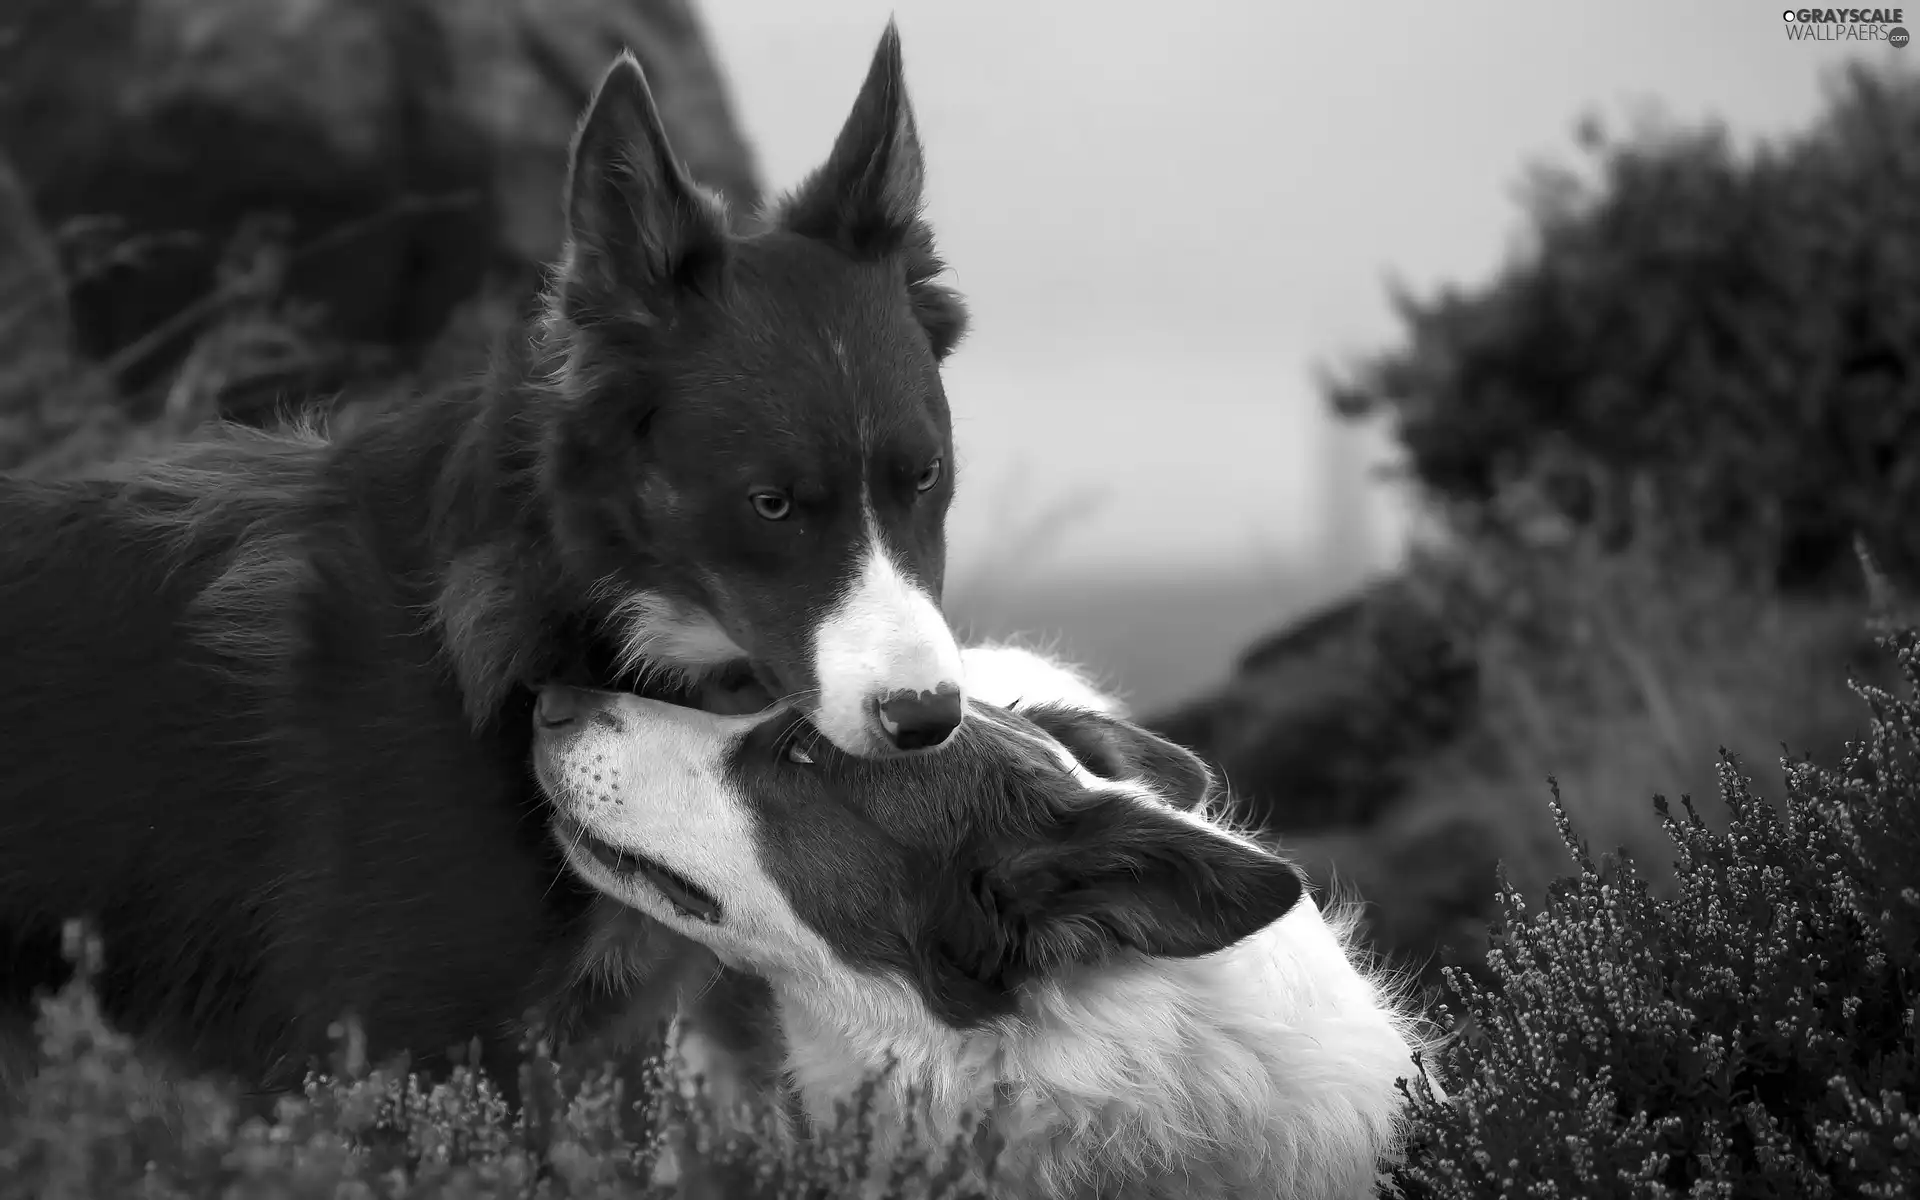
pixel 1320 723
pixel 1425 879
pixel 354 169
pixel 529 67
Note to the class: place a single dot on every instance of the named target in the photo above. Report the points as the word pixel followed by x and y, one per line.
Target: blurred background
pixel 1400 408
pixel 1166 219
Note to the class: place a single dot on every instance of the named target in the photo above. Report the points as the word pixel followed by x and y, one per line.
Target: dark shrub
pixel 1697 332
pixel 1754 1037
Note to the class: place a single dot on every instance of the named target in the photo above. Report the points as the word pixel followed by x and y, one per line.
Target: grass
pixel 1615 673
pixel 1649 659
pixel 245 350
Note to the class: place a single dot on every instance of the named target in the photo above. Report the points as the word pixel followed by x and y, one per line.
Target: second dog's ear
pixel 1122 873
pixel 637 226
pixel 1116 749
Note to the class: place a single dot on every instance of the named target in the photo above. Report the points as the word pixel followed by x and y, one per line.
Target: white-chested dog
pixel 1040 922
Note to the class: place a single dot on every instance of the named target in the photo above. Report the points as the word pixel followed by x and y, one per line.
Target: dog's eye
pixel 774 506
pixel 929 477
pixel 796 754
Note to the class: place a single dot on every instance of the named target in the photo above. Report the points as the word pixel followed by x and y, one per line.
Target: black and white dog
pixel 1041 920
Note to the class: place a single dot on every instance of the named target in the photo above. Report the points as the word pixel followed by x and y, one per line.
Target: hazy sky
pixel 1165 214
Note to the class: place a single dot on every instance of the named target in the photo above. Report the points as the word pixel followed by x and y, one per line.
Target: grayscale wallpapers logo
pixel 1847 25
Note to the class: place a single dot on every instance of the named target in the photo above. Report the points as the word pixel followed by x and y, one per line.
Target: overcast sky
pixel 1165 214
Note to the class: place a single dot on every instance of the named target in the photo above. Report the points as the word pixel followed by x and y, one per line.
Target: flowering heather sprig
pixel 1752 1038
pixel 97 1121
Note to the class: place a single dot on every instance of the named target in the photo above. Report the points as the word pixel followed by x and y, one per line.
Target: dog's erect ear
pixel 1120 872
pixel 867 199
pixel 1116 749
pixel 638 229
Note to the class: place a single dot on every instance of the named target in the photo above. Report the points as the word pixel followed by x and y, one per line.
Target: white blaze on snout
pixel 650 778
pixel 886 635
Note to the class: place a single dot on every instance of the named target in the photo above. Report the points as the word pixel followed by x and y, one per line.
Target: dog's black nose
pixel 920 720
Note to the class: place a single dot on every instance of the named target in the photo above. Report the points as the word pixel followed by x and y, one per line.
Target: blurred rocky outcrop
pixel 1324 730
pixel 344 175
pixel 1322 722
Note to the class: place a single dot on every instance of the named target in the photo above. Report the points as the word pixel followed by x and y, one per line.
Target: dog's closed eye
pixel 733 692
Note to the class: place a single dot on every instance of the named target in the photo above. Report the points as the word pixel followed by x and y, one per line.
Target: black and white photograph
pixel 893 600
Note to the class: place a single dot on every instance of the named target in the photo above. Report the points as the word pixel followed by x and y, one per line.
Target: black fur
pixel 866 199
pixel 1122 750
pixel 265 718
pixel 702 369
pixel 278 833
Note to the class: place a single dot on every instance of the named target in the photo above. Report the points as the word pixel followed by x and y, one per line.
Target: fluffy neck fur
pixel 475 456
pixel 1269 1068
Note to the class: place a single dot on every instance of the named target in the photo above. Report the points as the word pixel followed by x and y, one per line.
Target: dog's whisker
pixel 789 737
pixel 579 833
pixel 713 981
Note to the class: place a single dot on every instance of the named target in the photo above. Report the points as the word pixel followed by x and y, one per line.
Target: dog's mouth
pixel 688 898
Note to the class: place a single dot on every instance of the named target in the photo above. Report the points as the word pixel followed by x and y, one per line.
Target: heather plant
pixel 1752 1037
pixel 98 1120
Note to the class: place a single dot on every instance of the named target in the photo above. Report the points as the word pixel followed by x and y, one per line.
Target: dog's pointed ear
pixel 1125 873
pixel 1120 750
pixel 867 198
pixel 638 228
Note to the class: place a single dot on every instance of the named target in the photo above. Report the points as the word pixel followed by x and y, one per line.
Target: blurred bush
pixel 1753 1037
pixel 1730 340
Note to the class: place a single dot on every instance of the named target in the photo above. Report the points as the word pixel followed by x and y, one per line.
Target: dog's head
pixel 749 453
pixel 1044 838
